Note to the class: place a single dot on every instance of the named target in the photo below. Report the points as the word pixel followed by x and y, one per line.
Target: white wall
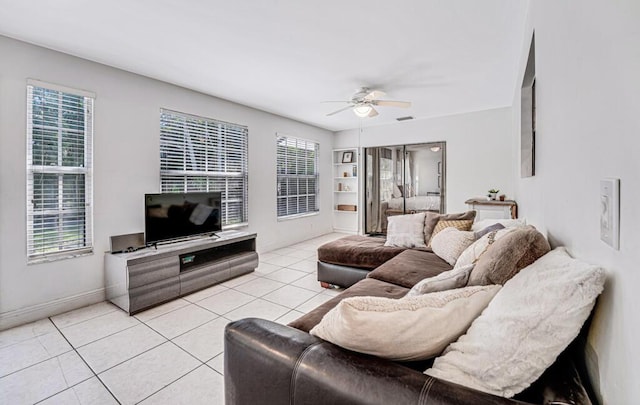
pixel 126 166
pixel 479 149
pixel 588 87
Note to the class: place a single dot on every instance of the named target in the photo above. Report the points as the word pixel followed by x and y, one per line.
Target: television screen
pixel 178 215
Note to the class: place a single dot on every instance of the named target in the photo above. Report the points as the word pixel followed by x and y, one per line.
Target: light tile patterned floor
pixel 170 354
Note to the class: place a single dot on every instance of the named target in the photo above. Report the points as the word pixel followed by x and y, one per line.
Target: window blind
pixel 59 173
pixel 297 176
pixel 203 154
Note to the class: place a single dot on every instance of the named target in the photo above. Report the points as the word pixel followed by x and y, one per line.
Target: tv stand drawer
pixel 150 272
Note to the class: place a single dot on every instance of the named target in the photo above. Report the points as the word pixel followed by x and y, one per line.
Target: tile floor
pixel 170 354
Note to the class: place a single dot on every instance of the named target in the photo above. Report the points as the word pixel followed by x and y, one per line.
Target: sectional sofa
pixel 269 363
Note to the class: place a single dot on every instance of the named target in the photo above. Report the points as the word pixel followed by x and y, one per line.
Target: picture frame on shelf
pixel 347 157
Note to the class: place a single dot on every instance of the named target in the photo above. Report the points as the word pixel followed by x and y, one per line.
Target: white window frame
pixel 297 174
pixel 57 250
pixel 225 143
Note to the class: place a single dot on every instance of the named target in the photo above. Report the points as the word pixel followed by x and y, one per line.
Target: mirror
pixel 403 179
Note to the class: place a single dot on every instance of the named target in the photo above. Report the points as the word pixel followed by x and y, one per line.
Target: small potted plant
pixel 493 193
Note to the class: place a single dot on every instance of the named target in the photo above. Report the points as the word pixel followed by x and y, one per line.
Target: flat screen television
pixel 178 215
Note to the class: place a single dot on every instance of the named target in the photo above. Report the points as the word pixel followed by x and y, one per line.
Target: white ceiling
pixel 286 56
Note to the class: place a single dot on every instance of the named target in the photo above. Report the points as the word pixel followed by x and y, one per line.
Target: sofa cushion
pixel 450 243
pixel 431 220
pixel 406 231
pixel 363 252
pixel 409 267
pixel 413 328
pixel 366 287
pixel 531 320
pixel 509 255
pixel 447 280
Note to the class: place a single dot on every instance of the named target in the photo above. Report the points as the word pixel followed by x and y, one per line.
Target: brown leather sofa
pixel 348 260
pixel 269 363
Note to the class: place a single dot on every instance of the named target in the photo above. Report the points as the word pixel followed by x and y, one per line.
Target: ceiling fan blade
pixel 335 101
pixel 374 94
pixel 339 111
pixel 391 103
pixel 373 113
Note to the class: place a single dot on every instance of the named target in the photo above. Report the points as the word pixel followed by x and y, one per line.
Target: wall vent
pixel 408 117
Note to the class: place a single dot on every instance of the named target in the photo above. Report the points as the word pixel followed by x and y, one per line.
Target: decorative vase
pixel 492 196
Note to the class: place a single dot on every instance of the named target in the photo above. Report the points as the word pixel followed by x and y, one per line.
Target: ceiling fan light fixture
pixel 362 110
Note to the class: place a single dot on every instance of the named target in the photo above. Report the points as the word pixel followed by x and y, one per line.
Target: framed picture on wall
pixel 347 157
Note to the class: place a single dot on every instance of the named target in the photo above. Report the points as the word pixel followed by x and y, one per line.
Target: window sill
pixel 54 257
pixel 235 226
pixel 297 216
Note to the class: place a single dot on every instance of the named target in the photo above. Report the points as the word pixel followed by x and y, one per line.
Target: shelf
pixel 346 190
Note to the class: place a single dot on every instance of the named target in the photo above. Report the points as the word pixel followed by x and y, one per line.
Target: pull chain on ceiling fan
pixel 363 101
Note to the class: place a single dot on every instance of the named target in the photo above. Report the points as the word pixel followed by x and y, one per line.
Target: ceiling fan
pixel 364 100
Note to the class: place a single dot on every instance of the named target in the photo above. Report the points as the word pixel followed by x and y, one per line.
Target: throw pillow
pixel 432 218
pixel 508 223
pixel 531 320
pixel 447 280
pixel 479 247
pixel 461 224
pixel 509 255
pixel 495 227
pixel 450 243
pixel 406 231
pixel 413 328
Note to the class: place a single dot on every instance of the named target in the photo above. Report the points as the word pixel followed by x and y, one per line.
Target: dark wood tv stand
pixel 138 280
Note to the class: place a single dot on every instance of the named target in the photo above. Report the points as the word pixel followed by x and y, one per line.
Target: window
pixel 59 172
pixel 297 163
pixel 202 154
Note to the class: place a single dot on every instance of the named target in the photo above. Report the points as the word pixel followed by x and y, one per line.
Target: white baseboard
pixel 40 311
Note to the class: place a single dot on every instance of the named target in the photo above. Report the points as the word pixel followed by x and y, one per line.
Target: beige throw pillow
pixel 447 280
pixel 460 224
pixel 531 320
pixel 450 243
pixel 406 231
pixel 432 219
pixel 412 328
pixel 509 255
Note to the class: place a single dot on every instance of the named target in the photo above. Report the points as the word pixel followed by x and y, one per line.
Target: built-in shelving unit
pixel 346 190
